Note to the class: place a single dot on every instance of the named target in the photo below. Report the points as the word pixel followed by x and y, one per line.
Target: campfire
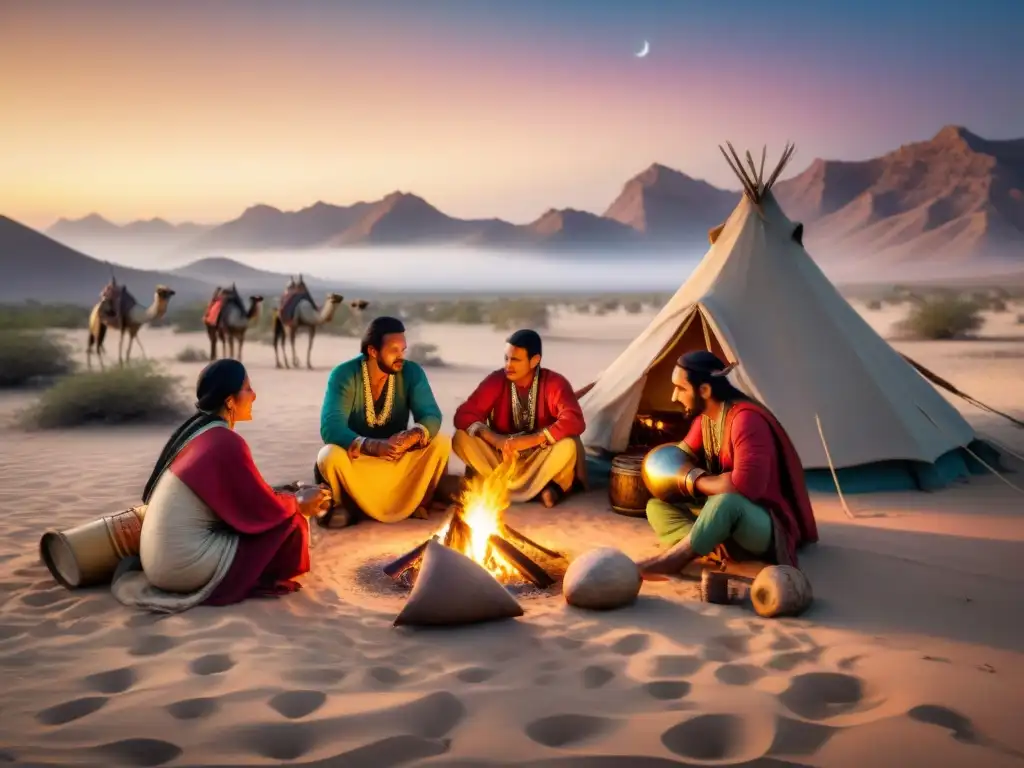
pixel 476 527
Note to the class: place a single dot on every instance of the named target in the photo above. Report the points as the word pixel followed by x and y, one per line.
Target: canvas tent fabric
pixel 758 299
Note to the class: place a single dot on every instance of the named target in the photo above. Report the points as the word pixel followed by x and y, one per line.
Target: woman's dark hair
pixel 216 383
pixel 378 328
pixel 526 339
pixel 703 367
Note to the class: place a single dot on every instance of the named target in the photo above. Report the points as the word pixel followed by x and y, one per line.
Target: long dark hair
pixel 703 367
pixel 216 383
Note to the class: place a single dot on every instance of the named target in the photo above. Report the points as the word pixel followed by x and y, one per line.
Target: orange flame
pixel 484 501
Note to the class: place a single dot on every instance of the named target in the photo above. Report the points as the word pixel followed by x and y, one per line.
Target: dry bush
pixel 26 356
pixel 940 317
pixel 135 394
pixel 425 355
pixel 192 355
pixel 873 305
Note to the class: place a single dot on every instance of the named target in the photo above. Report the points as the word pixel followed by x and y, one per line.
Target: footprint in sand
pixel 726 647
pixel 394 750
pixel 278 741
pixel 595 677
pixel 569 643
pixel 738 674
pixel 385 675
pixel 675 665
pixel 112 681
pixel 631 644
pixel 68 711
pixel 796 737
pixel 433 716
pixel 192 709
pixel 152 645
pixel 315 675
pixel 211 664
pixel 823 695
pixel 475 674
pixel 551 665
pixel 667 690
pixel 297 704
pixel 960 726
pixel 43 599
pixel 546 679
pixel 718 737
pixel 568 730
pixel 140 752
pixel 784 662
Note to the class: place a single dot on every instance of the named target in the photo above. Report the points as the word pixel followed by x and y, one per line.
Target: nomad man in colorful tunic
pixel 746 482
pixel 215 533
pixel 374 462
pixel 527 412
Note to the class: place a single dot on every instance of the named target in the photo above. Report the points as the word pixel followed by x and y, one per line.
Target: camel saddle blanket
pixel 116 303
pixel 217 306
pixel 213 310
pixel 290 301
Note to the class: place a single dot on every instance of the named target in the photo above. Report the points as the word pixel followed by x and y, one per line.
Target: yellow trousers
pixel 388 491
pixel 551 463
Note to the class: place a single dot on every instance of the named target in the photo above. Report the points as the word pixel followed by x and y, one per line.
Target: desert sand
pixel 912 655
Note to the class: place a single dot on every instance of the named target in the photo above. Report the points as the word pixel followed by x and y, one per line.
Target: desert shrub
pixel 29 355
pixel 184 319
pixel 874 305
pixel 33 315
pixel 425 354
pixel 132 394
pixel 633 307
pixel 192 355
pixel 1020 319
pixel 995 304
pixel 510 314
pixel 940 317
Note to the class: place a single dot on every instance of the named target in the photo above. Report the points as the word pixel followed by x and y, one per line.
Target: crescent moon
pixel 644 51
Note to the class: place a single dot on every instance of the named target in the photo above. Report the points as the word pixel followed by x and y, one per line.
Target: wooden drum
pixel 626 490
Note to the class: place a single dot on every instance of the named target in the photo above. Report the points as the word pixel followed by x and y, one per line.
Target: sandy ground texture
pixel 911 655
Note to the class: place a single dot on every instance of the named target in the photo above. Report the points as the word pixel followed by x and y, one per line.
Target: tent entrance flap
pixel 695 333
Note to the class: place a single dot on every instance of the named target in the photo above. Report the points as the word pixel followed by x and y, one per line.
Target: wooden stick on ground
pixel 529 569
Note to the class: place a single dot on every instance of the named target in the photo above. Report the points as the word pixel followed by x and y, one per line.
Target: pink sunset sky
pixel 195 111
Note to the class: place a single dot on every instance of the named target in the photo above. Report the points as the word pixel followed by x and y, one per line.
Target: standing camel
pixel 297 309
pixel 119 310
pixel 227 319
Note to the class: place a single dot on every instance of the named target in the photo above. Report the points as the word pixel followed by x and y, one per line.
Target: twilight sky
pixel 196 110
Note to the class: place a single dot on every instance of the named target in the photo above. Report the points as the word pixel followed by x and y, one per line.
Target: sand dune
pixel 912 654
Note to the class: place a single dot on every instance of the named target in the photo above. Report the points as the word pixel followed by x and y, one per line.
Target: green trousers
pixel 727 516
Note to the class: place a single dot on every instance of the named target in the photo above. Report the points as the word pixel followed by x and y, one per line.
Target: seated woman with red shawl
pixel 214 532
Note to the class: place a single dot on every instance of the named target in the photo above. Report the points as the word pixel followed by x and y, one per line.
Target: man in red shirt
pixel 529 414
pixel 751 498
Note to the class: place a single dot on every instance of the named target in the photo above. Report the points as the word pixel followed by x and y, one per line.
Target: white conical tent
pixel 758 299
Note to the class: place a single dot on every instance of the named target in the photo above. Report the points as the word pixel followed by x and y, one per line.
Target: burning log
pixel 503 554
pixel 396 568
pixel 511 533
pixel 526 567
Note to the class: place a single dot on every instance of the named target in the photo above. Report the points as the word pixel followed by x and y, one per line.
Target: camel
pixel 118 309
pixel 231 319
pixel 297 309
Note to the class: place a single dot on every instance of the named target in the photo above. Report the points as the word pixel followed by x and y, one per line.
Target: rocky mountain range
pixel 953 197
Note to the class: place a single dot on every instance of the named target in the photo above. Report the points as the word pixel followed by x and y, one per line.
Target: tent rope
pixel 975 456
pixel 940 382
pixel 832 469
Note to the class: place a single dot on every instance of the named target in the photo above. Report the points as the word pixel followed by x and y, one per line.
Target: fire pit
pixel 476 527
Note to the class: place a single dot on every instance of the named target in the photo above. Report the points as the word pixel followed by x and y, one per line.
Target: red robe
pixel 558 410
pixel 766 470
pixel 273 544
